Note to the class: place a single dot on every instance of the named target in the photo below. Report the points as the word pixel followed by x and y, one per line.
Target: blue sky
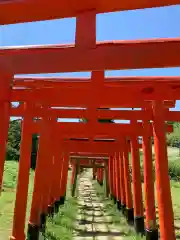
pixel 140 24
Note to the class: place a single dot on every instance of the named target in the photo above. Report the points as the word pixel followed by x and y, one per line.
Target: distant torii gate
pixel 90 90
pixel 72 128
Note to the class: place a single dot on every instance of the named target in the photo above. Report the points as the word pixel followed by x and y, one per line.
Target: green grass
pixel 7 198
pixel 175 193
pixel 60 228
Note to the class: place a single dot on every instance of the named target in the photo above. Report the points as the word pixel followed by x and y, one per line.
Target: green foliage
pixel 174 170
pixel 10 175
pixel 173 139
pixel 14 139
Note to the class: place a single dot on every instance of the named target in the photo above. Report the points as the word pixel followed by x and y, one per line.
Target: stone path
pixel 92 222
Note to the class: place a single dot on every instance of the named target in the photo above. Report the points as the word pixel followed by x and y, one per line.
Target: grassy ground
pixel 7 198
pixel 60 228
pixel 175 192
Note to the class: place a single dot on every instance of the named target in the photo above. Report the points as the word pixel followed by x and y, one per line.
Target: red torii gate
pixel 88 55
pixel 99 125
pixel 73 92
pixel 83 126
pixel 67 128
pixel 21 11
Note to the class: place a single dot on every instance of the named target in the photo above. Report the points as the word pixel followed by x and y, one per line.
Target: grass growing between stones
pixel 62 225
pixel 118 220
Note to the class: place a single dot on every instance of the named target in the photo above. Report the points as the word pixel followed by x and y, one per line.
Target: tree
pixel 14 139
pixel 173 139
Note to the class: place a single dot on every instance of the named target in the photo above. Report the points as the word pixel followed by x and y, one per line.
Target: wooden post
pixel 23 177
pixel 110 169
pixel 114 179
pixel 166 216
pixel 122 181
pixel 75 178
pixel 137 188
pixel 64 177
pixel 73 174
pixel 118 183
pixel 106 178
pixel 5 87
pixel 150 221
pixel 47 185
pixel 94 173
pixel 37 214
pixel 127 183
pixel 57 176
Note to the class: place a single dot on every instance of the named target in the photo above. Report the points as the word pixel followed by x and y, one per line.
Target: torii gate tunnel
pixel 97 141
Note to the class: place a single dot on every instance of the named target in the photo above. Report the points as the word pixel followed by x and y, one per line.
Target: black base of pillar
pixel 152 234
pixel 33 232
pixel 43 221
pixel 50 210
pixel 115 200
pixel 94 177
pixel 124 209
pixel 130 216
pixel 56 206
pixel 62 200
pixel 139 225
pixel 119 207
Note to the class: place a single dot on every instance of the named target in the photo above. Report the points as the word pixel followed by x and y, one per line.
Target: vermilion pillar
pixel 110 175
pixel 106 178
pixel 94 173
pixel 23 176
pixel 137 188
pixel 122 181
pixel 127 183
pixel 64 177
pixel 166 218
pixel 60 186
pixel 76 167
pixel 151 229
pixel 102 176
pixel 51 206
pixel 114 178
pixel 5 88
pixel 98 175
pixel 37 217
pixel 73 172
pixel 118 184
pixel 48 170
pixel 47 183
pixel 57 176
